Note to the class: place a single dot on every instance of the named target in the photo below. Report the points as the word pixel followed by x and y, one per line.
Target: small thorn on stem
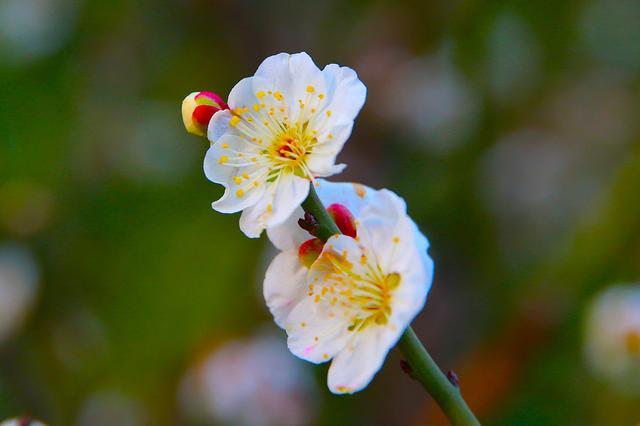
pixel 453 378
pixel 404 365
pixel 309 223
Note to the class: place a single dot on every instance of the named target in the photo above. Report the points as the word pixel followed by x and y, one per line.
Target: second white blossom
pixel 355 301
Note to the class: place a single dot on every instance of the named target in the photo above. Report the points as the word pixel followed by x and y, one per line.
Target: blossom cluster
pixel 348 297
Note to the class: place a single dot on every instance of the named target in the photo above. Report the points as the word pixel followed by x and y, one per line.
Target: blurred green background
pixel 512 128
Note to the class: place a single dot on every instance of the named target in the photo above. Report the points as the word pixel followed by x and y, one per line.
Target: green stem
pixel 423 367
pixel 425 370
pixel 326 226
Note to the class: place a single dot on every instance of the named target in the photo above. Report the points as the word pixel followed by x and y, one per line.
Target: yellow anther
pixel 310 89
pixel 256 107
pixel 313 110
pixel 328 113
pixel 224 145
pixel 260 94
pixel 223 159
pixel 245 175
pixel 278 95
pixel 303 324
pixel 237 180
pixel 396 240
pixel 361 191
pixel 321 95
pixel 269 207
pixel 240 192
pixel 234 120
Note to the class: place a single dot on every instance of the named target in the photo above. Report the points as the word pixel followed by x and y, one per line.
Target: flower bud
pixel 197 110
pixel 309 251
pixel 343 219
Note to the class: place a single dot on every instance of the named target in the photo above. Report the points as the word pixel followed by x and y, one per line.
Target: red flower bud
pixel 197 110
pixel 343 219
pixel 309 251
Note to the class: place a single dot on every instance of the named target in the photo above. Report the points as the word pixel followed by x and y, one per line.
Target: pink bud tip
pixel 343 219
pixel 197 110
pixel 309 251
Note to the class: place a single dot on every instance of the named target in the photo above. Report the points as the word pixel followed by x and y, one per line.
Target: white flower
pixel 285 126
pixel 612 339
pixel 358 297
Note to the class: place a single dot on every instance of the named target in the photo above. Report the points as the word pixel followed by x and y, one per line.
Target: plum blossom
pixel 284 127
pixel 356 299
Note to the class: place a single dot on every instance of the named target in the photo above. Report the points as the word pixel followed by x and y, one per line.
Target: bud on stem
pixel 197 110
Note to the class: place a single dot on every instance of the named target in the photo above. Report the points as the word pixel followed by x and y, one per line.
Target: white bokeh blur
pixel 110 408
pixel 33 29
pixel 254 381
pixel 19 280
pixel 612 337
pixel 21 421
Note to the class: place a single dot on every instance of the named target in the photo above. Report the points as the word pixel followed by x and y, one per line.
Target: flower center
pixel 283 136
pixel 290 148
pixel 363 293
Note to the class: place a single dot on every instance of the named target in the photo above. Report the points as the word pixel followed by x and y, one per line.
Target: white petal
pixel 385 227
pixel 290 75
pixel 322 160
pixel 218 125
pixel 213 170
pixel 313 334
pixel 284 285
pixel 353 196
pixel 304 74
pixel 346 93
pixel 250 224
pixel 290 193
pixel 276 204
pixel 288 235
pixel 230 202
pixel 228 147
pixel 254 218
pixel 353 368
pixel 274 67
pixel 242 94
pixel 399 247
